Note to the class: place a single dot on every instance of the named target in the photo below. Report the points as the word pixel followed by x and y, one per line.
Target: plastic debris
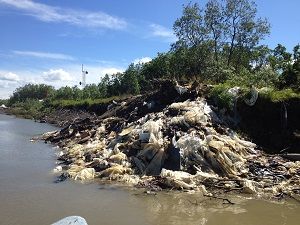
pixel 234 91
pixel 3 106
pixel 184 145
pixel 85 174
pixel 254 96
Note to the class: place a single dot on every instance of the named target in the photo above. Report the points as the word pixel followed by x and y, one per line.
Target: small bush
pixel 279 95
pixel 3 102
pixel 30 109
pixel 85 103
pixel 221 96
pixel 266 77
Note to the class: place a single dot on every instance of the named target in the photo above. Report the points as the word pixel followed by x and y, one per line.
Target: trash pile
pixel 178 143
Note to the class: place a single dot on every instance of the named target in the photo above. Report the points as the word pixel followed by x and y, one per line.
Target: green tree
pixel 31 91
pixel 91 91
pixel 290 65
pixel 190 29
pixel 243 30
pixel 3 101
pixel 280 59
pixel 157 68
pixel 296 53
pixel 214 22
pixel 77 92
pixel 115 85
pixel 129 80
pixel 230 29
pixel 103 85
pixel 64 93
pixel 260 57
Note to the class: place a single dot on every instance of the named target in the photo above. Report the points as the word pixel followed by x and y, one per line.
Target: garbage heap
pixel 170 139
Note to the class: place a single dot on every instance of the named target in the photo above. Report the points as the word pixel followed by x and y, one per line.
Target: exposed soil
pixel 275 126
pixel 173 138
pixel 65 117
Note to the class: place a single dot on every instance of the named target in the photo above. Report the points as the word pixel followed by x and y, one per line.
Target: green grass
pixel 30 109
pixel 4 102
pixel 34 109
pixel 280 95
pixel 70 103
pixel 225 100
pixel 221 96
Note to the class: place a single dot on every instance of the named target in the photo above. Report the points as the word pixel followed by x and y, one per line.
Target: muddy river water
pixel 28 194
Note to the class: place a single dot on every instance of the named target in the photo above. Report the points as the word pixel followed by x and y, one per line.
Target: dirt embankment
pixel 150 102
pixel 65 117
pixel 171 138
pixel 275 126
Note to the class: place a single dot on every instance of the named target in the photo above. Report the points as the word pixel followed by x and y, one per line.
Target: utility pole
pixel 84 73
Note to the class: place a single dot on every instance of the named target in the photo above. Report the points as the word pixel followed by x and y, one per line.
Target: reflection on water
pixel 184 208
pixel 28 194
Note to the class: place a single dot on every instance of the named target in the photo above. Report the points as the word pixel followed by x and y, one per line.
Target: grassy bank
pixel 224 99
pixel 84 103
pixel 30 109
pixel 37 109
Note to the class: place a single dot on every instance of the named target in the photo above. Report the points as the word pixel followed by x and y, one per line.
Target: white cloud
pixel 142 60
pixel 162 32
pixel 67 75
pixel 7 88
pixel 9 76
pixel 80 18
pixel 109 71
pixel 9 81
pixel 57 75
pixel 71 74
pixel 46 55
pixel 3 85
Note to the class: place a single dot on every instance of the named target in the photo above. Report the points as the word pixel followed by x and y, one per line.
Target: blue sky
pixel 46 41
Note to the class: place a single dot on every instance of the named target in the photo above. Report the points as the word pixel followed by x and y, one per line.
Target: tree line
pixel 216 43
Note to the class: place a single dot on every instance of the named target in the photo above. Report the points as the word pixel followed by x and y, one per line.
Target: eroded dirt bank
pixel 171 138
pixel 273 125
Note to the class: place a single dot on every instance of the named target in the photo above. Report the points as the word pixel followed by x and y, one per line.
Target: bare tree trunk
pixel 231 46
pixel 216 50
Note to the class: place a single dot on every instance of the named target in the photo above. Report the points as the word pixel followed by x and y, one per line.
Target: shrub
pixel 266 77
pixel 222 97
pixel 279 95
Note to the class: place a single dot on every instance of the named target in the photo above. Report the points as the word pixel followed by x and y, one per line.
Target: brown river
pixel 28 194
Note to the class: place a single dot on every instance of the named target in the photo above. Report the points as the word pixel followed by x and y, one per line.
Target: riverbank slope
pixel 171 138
